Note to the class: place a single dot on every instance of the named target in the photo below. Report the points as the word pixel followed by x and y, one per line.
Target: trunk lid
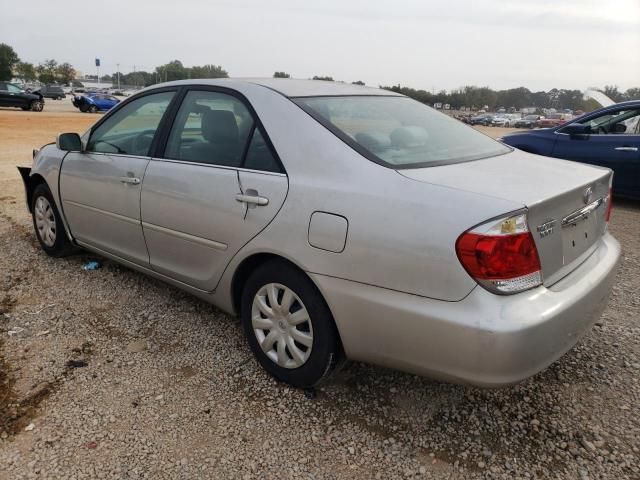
pixel 566 201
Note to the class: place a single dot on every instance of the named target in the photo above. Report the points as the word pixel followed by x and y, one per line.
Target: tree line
pixel 50 71
pixel 521 97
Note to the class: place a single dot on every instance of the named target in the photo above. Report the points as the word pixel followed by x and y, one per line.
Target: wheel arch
pixel 244 270
pixel 30 184
pixel 255 260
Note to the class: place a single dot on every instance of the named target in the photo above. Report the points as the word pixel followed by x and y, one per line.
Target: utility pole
pixel 118 66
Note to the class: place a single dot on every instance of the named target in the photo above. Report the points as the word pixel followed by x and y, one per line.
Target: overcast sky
pixel 538 44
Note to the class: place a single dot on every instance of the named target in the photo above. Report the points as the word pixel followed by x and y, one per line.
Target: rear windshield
pixel 399 132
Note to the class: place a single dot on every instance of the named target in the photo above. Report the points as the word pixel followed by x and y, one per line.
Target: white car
pixel 507 120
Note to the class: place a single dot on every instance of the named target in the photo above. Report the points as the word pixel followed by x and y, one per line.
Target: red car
pixel 553 120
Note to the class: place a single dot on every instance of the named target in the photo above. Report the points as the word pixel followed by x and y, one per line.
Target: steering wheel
pixel 142 142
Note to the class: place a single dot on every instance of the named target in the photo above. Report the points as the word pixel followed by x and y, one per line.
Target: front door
pixel 216 186
pixel 614 142
pixel 11 95
pixel 100 187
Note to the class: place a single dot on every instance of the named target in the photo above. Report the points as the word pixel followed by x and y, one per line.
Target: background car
pixel 54 92
pixel 506 120
pixel 12 95
pixel 609 137
pixel 482 119
pixel 553 120
pixel 528 121
pixel 95 102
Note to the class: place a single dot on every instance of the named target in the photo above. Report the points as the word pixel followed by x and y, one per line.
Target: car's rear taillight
pixel 501 256
pixel 607 216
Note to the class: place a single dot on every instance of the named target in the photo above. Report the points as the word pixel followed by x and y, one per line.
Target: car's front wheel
pixel 93 109
pixel 36 106
pixel 288 325
pixel 48 223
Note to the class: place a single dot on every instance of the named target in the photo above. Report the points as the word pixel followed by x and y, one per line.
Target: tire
pixel 93 109
pixel 47 223
pixel 314 360
pixel 36 106
pixel 83 107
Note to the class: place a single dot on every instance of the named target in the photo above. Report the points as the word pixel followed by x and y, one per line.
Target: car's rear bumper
pixel 484 339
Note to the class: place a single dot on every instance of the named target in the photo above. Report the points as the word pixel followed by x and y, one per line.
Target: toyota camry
pixel 339 222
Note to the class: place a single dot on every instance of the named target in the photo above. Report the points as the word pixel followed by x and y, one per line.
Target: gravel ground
pixel 110 374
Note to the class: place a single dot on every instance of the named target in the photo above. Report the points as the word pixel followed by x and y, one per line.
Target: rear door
pixel 213 187
pixel 614 142
pixel 100 186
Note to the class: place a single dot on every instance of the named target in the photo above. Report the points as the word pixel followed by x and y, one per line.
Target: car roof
pixel 290 87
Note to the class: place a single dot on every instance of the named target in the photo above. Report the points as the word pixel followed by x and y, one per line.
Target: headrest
pixel 219 127
pixel 619 128
pixel 409 136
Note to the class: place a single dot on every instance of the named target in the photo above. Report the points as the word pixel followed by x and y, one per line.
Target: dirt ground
pixel 109 374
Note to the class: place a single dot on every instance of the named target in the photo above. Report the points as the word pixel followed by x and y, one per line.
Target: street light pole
pixel 118 66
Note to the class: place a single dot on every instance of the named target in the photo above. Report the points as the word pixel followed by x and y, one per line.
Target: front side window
pixel 210 127
pixel 131 129
pixel 620 122
pixel 13 88
pixel 399 132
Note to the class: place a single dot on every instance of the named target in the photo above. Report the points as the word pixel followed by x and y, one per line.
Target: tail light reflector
pixel 609 206
pixel 501 256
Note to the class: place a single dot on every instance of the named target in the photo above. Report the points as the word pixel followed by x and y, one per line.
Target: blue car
pixel 94 102
pixel 609 137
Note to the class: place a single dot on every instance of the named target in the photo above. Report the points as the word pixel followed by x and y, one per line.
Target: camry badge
pixel 586 196
pixel 546 228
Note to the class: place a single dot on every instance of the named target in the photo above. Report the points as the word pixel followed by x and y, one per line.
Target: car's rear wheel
pixel 36 106
pixel 48 223
pixel 288 325
pixel 93 109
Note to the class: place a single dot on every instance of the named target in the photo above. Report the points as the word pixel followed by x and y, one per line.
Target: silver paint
pixel 398 264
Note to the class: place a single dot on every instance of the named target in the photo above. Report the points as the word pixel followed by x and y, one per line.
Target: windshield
pixel 399 132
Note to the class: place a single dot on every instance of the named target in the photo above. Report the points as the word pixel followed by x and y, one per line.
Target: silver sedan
pixel 339 222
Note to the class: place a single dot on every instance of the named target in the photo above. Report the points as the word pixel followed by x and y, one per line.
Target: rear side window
pixel 131 129
pixel 210 127
pixel 399 132
pixel 259 155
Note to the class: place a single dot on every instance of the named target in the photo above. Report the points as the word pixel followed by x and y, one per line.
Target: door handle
pixel 131 180
pixel 626 149
pixel 252 199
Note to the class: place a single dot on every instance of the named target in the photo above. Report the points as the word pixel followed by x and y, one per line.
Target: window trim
pixel 161 147
pixel 122 104
pixel 299 101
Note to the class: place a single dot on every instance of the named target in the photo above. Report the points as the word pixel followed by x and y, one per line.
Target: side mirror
pixel 69 142
pixel 576 129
